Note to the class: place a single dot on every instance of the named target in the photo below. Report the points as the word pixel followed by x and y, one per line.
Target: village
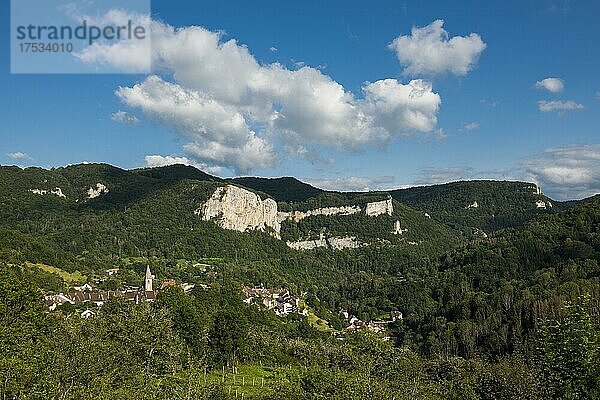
pixel 88 298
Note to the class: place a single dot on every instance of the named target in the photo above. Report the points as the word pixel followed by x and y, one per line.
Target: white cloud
pixel 553 85
pixel 124 117
pixel 19 155
pixel 401 109
pixel 598 95
pixel 353 183
pixel 559 105
pixel 126 55
pixel 569 172
pixel 218 133
pixel 471 126
pixel 235 112
pixel 429 50
pixel 273 49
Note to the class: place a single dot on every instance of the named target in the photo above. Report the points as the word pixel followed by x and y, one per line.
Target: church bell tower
pixel 148 280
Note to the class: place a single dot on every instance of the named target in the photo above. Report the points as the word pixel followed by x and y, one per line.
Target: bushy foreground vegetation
pixel 210 345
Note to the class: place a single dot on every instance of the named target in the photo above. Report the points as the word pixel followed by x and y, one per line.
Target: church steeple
pixel 148 280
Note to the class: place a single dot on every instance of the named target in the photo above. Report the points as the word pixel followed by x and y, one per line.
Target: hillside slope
pixel 486 205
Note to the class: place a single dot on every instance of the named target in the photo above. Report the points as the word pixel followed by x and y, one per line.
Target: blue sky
pixel 487 123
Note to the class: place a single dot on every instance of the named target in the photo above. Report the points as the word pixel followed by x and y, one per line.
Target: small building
pixel 395 315
pixel 88 287
pixel 87 314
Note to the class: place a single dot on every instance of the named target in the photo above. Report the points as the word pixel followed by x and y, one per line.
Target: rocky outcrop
pixel 398 229
pixel 334 243
pixel 372 209
pixel 379 208
pixel 238 209
pixel 473 205
pixel 56 191
pixel 296 216
pixel 94 192
pixel 542 204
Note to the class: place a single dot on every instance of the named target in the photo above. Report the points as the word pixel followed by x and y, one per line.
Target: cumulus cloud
pixel 19 155
pixel 471 126
pixel 235 112
pixel 353 183
pixel 554 85
pixel 218 133
pixel 429 50
pixel 570 172
pixel 559 106
pixel 124 117
pixel 126 55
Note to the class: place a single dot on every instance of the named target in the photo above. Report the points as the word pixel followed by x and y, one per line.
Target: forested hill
pixel 89 216
pixel 487 205
pixel 467 208
pixel 286 189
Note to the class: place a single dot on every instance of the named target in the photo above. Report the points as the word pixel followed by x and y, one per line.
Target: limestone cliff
pixel 240 210
pixel 56 191
pixel 299 215
pixel 235 208
pixel 334 243
pixel 379 208
pixel 94 192
pixel 372 209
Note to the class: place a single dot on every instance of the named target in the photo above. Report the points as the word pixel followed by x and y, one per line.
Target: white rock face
pixel 398 229
pixel 379 208
pixel 543 205
pixel 299 215
pixel 97 191
pixel 334 243
pixel 480 233
pixel 240 210
pixel 474 205
pixel 56 191
pixel 372 209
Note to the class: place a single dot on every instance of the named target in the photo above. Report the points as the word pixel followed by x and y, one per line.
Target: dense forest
pixel 500 301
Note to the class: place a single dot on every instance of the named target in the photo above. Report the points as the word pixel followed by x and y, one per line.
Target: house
pixel 88 287
pixel 281 301
pixel 377 326
pixel 112 271
pixel 187 287
pixel 55 300
pixel 87 314
pixel 395 315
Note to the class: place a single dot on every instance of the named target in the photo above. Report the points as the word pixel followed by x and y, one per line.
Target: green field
pixel 74 277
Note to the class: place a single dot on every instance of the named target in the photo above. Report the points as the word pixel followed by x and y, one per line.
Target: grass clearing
pixel 250 380
pixel 69 277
